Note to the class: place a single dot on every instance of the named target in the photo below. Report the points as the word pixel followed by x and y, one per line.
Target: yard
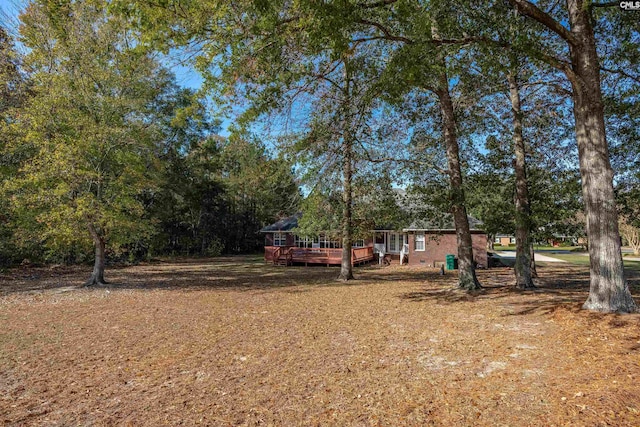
pixel 232 341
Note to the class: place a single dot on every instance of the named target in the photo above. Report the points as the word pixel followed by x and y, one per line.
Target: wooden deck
pixel 288 255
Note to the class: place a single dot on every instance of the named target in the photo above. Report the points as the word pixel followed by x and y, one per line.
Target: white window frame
pixel 279 239
pixel 393 242
pixel 327 243
pixel 304 242
pixel 358 243
pixel 419 238
pixel 512 240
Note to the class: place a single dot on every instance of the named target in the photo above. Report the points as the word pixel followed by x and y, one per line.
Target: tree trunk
pixel 97 276
pixel 490 242
pixel 522 267
pixel 532 257
pixel 346 268
pixel 608 291
pixel 466 270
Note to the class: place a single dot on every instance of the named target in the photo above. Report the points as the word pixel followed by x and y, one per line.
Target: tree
pixel 631 234
pixel 13 83
pixel 258 186
pixel 339 136
pixel 13 92
pixel 269 66
pixel 609 291
pixel 426 65
pixel 90 122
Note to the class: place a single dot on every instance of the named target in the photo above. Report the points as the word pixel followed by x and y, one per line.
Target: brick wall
pixel 437 246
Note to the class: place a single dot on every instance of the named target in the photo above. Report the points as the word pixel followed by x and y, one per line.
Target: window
pixel 512 240
pixel 279 239
pixel 419 242
pixel 326 242
pixel 358 243
pixel 393 242
pixel 496 240
pixel 304 242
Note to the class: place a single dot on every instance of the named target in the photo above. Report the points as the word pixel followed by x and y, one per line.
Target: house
pixel 418 243
pixel 283 246
pixel 504 240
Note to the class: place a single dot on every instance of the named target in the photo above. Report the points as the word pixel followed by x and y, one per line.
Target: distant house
pixel 417 243
pixel 504 240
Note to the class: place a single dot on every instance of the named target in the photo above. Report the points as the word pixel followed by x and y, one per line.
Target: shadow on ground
pixel 559 286
pixel 565 287
pixel 224 273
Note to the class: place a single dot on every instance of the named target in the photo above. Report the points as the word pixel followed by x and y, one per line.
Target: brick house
pixel 419 243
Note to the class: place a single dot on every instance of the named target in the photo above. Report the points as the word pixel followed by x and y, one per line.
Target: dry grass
pixel 236 342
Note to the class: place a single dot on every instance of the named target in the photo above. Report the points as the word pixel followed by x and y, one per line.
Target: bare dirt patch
pixel 236 342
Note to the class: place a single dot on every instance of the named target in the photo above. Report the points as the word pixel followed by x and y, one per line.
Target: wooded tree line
pixel 513 111
pixel 101 147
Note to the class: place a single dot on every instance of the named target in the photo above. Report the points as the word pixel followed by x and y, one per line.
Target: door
pixel 394 242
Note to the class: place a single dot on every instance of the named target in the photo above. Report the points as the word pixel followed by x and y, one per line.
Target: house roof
pixel 443 224
pixel 284 224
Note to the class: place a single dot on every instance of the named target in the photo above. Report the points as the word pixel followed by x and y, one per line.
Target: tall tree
pixel 523 264
pixel 437 80
pixel 90 122
pixel 609 291
pixel 13 92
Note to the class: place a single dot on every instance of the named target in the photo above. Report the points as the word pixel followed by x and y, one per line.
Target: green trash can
pixel 451 262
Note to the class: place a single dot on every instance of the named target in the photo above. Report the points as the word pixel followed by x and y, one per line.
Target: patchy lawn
pixel 236 342
pixel 583 259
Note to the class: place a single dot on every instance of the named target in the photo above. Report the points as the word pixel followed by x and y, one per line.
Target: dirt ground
pixel 232 341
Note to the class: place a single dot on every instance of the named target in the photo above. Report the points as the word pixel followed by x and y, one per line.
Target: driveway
pixel 542 258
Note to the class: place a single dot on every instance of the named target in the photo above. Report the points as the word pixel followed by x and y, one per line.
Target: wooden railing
pixel 320 255
pixel 359 255
pixel 316 255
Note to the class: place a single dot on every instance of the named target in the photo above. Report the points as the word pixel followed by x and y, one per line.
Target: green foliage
pixel 12 93
pixel 217 194
pixel 90 126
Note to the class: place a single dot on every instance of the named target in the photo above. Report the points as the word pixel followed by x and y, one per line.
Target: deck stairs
pixel 283 257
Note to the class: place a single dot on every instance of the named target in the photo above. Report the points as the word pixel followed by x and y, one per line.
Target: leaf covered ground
pixel 232 341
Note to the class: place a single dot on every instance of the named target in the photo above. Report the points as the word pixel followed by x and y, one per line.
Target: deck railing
pixel 317 255
pixel 361 254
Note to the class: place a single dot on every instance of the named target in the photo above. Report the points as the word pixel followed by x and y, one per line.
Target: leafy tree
pixel 13 91
pixel 631 234
pixel 258 189
pixel 268 65
pixel 577 57
pixel 490 198
pixel 216 193
pixel 13 83
pixel 90 122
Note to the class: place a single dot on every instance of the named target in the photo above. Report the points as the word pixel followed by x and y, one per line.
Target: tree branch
pixel 558 64
pixel 387 35
pixel 531 10
pixel 621 73
pixel 385 31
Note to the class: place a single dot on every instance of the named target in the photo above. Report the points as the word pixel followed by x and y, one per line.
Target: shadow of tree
pixel 563 286
pixel 223 273
pixel 558 285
